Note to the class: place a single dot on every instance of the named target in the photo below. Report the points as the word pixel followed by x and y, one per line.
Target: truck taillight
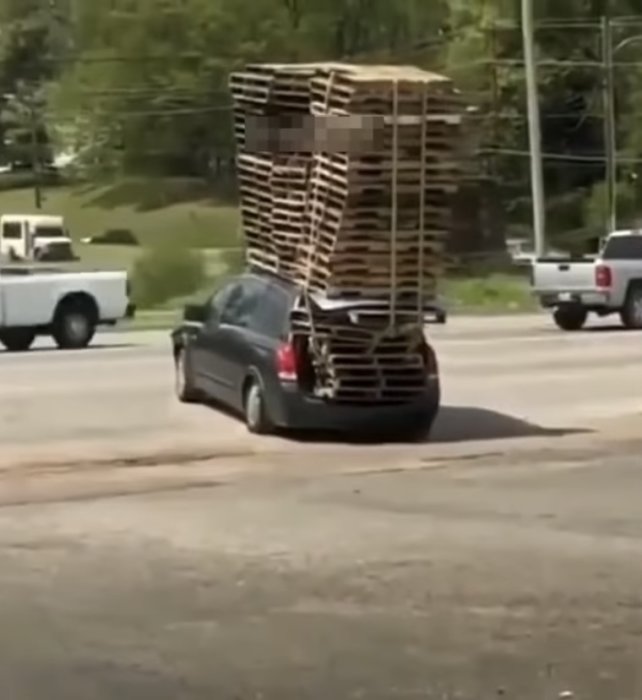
pixel 603 277
pixel 286 363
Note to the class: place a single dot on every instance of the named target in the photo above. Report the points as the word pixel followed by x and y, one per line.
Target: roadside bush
pixel 115 236
pixel 166 272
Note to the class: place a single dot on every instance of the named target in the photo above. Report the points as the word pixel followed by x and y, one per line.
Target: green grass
pixel 113 257
pixel 146 320
pixel 186 211
pixel 153 210
pixel 494 294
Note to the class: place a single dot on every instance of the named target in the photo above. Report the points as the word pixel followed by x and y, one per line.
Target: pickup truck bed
pixel 611 283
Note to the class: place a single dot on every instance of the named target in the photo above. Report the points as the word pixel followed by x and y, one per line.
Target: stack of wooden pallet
pixel 351 204
pixel 360 359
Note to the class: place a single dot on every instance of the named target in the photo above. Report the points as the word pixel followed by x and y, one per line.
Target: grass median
pixel 497 294
pixel 494 294
pixel 183 213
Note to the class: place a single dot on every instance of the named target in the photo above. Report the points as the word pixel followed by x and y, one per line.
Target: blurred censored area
pixel 309 134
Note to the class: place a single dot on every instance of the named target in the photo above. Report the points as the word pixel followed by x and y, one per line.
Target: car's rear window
pixel 271 318
pixel 623 248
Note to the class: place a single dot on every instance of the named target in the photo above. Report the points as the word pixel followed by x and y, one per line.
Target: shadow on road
pixel 468 424
pixel 93 346
pixel 610 328
pixel 454 424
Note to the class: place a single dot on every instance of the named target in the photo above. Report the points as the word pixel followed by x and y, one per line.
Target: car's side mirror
pixel 195 313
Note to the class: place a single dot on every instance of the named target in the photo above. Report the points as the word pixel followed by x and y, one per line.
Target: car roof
pixel 623 233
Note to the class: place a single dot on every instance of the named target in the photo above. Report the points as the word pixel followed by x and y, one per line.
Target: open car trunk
pixel 350 352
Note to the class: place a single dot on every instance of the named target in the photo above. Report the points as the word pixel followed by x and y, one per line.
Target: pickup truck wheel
pixel 570 318
pixel 631 314
pixel 17 339
pixel 74 327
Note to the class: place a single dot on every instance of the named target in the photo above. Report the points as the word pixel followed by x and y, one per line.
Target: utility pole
pixel 534 129
pixel 35 155
pixel 610 133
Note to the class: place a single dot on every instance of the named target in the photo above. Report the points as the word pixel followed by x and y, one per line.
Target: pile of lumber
pixel 346 174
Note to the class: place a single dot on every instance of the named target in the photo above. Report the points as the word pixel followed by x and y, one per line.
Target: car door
pixel 227 345
pixel 203 344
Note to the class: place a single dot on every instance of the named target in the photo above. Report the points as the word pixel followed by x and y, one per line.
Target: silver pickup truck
pixel 610 283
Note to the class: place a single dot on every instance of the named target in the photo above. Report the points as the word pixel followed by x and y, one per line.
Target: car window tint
pixel 12 231
pixel 271 315
pixel 243 300
pixel 218 301
pixel 623 248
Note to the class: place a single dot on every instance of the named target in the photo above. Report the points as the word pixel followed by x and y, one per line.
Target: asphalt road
pixel 501 378
pixel 471 568
pixel 505 575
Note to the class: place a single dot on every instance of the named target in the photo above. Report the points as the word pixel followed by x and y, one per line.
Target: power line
pixel 557 156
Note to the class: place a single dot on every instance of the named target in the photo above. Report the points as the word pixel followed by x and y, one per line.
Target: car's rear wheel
pixel 17 339
pixel 74 326
pixel 632 312
pixel 183 382
pixel 256 415
pixel 570 318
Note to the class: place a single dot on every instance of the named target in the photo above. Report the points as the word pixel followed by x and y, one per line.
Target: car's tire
pixel 631 314
pixel 570 318
pixel 256 416
pixel 17 339
pixel 74 326
pixel 184 383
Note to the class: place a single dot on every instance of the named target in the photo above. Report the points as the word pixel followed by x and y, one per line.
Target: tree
pixel 149 88
pixel 487 53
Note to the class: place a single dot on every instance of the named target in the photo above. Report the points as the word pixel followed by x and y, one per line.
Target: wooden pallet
pixel 385 167
pixel 436 212
pixel 398 296
pixel 383 276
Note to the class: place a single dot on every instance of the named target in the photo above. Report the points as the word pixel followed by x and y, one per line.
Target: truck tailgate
pixel 564 276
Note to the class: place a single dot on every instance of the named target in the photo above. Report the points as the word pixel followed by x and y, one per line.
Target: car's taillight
pixel 286 363
pixel 603 277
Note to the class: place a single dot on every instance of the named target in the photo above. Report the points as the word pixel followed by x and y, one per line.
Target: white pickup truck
pixel 610 283
pixel 68 306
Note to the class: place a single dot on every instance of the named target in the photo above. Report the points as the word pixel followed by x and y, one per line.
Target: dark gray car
pixel 236 350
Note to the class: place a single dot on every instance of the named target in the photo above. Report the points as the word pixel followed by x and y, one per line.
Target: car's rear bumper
pixel 590 298
pixel 299 411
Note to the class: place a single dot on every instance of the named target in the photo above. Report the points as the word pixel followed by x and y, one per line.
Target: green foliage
pixel 141 87
pixel 165 272
pixel 596 207
pixel 485 56
pixel 497 293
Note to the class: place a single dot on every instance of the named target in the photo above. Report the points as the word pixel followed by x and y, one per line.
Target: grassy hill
pixel 152 209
